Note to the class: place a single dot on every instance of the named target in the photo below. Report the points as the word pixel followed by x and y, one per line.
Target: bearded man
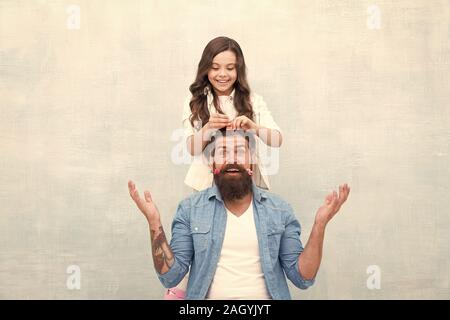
pixel 236 240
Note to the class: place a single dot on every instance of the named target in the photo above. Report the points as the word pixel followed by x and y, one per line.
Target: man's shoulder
pixel 275 201
pixel 196 199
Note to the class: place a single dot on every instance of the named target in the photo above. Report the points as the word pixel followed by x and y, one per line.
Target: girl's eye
pixel 215 68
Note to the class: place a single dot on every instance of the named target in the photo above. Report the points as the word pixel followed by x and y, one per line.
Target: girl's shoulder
pixel 257 100
pixel 255 96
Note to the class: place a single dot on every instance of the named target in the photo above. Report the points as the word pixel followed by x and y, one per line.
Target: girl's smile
pixel 223 83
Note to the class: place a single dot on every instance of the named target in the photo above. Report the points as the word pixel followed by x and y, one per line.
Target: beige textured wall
pixel 360 88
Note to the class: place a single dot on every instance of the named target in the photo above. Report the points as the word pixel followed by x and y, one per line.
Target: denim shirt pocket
pixel 200 235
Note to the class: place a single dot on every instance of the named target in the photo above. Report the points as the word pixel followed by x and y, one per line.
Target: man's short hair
pixel 211 146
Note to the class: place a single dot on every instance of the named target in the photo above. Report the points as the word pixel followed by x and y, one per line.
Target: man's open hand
pixel 146 205
pixel 332 204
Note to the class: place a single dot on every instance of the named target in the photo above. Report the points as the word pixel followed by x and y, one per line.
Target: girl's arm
pixel 271 137
pixel 197 142
pixel 263 125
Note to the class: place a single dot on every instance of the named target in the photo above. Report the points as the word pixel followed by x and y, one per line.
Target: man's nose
pixel 233 159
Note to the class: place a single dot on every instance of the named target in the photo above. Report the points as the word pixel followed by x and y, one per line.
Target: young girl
pixel 221 97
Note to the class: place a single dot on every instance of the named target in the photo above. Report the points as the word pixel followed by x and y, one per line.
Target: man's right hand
pixel 163 257
pixel 146 205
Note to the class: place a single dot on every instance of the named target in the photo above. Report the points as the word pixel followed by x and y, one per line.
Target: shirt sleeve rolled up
pixel 182 249
pixel 290 250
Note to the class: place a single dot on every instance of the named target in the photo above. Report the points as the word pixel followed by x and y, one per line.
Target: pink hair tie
pixel 175 294
pixel 216 171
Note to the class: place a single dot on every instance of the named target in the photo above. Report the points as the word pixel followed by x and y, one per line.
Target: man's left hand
pixel 331 205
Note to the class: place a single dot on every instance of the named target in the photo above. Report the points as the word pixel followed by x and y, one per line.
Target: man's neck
pixel 239 206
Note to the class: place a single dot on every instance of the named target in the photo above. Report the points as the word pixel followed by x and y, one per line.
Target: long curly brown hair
pixel 241 100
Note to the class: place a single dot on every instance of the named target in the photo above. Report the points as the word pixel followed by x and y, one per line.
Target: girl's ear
pixel 207 89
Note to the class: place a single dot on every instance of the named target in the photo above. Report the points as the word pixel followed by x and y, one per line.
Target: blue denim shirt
pixel 198 231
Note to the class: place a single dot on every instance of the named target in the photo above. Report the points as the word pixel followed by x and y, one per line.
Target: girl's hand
pixel 218 121
pixel 331 206
pixel 242 122
pixel 146 205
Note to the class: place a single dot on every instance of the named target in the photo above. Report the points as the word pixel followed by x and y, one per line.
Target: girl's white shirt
pixel 199 175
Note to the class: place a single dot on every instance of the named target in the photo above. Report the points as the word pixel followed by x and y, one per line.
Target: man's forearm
pixel 163 257
pixel 309 259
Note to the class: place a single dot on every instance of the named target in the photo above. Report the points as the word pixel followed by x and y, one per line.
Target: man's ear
pixel 253 167
pixel 253 158
pixel 210 160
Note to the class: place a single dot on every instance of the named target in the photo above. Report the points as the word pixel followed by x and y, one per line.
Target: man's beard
pixel 233 186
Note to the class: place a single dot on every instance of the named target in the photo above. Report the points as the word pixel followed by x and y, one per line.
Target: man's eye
pixel 230 69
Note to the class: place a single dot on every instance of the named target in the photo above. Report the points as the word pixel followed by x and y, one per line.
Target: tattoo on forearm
pixel 162 254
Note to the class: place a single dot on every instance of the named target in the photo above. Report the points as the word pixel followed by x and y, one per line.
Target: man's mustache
pixel 232 167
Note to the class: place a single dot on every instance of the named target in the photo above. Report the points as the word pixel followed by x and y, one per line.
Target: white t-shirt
pixel 199 175
pixel 239 274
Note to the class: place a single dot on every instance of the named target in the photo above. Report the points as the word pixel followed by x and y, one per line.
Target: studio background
pixel 91 94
